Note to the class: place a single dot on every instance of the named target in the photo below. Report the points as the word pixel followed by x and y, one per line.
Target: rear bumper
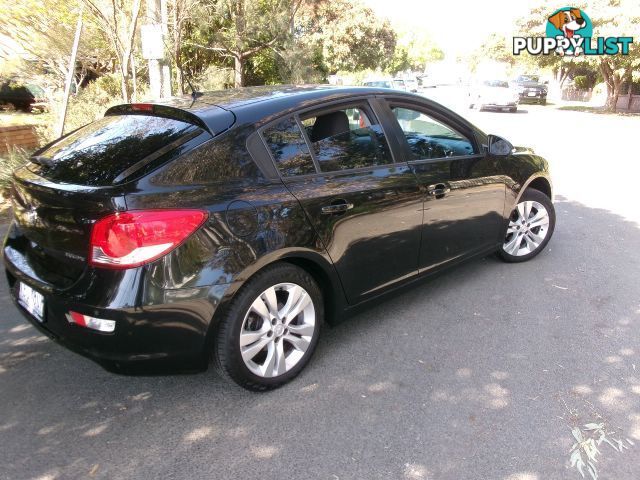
pixel 513 104
pixel 170 334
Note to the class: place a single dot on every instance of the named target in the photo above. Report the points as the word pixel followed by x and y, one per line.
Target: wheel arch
pixel 540 183
pixel 320 269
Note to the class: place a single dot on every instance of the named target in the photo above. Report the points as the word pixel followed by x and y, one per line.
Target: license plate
pixel 532 94
pixel 32 301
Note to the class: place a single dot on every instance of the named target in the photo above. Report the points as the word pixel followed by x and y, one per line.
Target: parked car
pixel 26 97
pixel 494 94
pixel 411 84
pixel 379 84
pixel 395 83
pixel 232 226
pixel 530 89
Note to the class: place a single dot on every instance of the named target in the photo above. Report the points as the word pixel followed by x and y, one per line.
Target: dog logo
pixel 568 21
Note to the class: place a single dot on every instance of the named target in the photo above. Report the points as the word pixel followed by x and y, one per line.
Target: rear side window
pixel 347 138
pixel 98 153
pixel 289 148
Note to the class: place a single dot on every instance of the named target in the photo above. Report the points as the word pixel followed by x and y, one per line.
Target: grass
pixel 597 110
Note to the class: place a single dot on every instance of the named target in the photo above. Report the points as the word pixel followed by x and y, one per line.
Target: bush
pixel 85 107
pixel 582 82
pixel 213 78
pixel 14 158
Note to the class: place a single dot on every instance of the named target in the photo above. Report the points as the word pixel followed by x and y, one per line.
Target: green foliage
pixel 582 82
pixel 214 78
pixel 414 51
pixel 349 34
pixel 14 158
pixel 584 451
pixel 86 107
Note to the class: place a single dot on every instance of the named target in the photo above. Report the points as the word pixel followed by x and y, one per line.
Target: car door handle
pixel 438 190
pixel 337 207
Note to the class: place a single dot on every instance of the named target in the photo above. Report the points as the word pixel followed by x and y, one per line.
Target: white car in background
pixel 494 94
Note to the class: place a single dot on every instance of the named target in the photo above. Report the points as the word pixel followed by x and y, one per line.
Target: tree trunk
pixel 238 77
pixel 613 90
pixel 124 87
pixel 629 75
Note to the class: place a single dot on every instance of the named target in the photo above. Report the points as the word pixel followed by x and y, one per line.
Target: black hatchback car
pixel 234 224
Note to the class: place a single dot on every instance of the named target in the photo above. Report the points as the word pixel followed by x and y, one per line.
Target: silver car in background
pixel 494 94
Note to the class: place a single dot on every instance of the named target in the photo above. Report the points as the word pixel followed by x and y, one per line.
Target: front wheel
pixel 530 227
pixel 271 328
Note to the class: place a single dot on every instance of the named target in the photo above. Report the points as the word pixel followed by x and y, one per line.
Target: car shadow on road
pixel 480 373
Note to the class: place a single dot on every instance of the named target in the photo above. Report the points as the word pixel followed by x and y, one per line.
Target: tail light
pixel 130 239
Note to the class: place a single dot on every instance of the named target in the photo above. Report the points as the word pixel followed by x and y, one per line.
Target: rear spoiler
pixel 159 111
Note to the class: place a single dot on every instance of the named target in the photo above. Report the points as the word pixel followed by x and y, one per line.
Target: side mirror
pixel 499 146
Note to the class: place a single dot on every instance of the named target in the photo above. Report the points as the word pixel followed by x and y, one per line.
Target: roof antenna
pixel 194 93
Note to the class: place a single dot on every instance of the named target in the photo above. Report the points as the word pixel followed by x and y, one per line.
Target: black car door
pixel 364 203
pixel 464 192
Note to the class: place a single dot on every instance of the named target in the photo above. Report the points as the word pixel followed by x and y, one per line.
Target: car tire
pixel 529 228
pixel 513 109
pixel 273 355
pixel 543 102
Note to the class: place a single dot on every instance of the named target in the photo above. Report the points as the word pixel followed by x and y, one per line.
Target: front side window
pixel 347 138
pixel 428 138
pixel 289 149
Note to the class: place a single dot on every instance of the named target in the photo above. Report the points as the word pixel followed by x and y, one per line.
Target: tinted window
pixel 289 148
pixel 346 139
pixel 223 159
pixel 429 138
pixel 97 153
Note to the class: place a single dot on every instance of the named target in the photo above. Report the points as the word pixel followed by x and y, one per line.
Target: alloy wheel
pixel 277 330
pixel 528 227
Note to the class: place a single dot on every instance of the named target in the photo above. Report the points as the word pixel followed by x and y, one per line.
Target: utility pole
pixel 153 36
pixel 70 74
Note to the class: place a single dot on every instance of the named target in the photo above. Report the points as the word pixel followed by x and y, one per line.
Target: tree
pixel 118 22
pixel 349 34
pixel 181 12
pixel 240 29
pixel 43 31
pixel 414 51
pixel 495 48
pixel 608 22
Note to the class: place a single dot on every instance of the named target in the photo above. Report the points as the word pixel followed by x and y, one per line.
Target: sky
pixel 457 26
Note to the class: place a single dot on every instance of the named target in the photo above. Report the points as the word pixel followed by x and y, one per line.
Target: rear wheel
pixel 513 109
pixel 271 328
pixel 530 227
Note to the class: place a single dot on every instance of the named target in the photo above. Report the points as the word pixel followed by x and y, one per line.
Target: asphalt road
pixel 480 374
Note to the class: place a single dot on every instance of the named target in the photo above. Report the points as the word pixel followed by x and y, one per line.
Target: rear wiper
pixel 41 160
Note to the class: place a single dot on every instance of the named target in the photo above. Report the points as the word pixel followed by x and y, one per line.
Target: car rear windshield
pixel 98 153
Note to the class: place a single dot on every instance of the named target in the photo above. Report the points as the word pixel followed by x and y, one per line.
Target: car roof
pixel 254 104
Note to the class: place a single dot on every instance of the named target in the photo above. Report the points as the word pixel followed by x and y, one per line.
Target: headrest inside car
pixel 329 125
